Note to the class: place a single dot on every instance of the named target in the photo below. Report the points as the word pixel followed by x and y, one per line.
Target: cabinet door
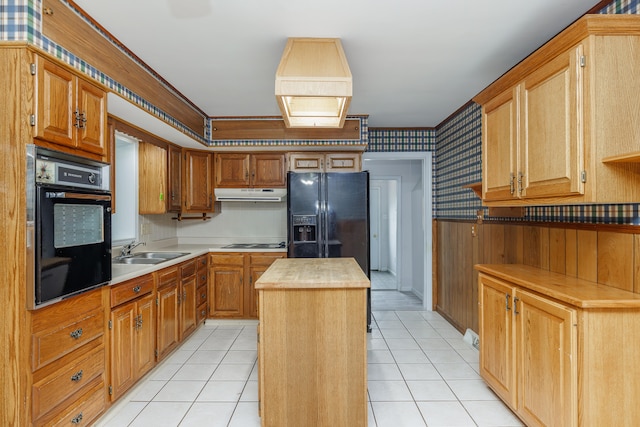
pixel 232 170
pixel 174 192
pixel 152 179
pixel 226 285
pixel 92 107
pixel 257 265
pixel 546 361
pixel 496 336
pixel 499 146
pixel 343 162
pixel 551 152
pixel 168 333
pixel 306 162
pixel 145 335
pixel 198 186
pixel 187 307
pixel 267 170
pixel 55 100
pixel 123 374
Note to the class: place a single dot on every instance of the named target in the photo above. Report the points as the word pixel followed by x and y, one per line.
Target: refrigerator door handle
pixel 322 240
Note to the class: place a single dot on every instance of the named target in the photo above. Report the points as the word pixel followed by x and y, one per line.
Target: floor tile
pixel 377 344
pixel 206 357
pixel 383 371
pixel 445 414
pixel 210 414
pixel 433 344
pixel 146 391
pixel 430 390
pixel 491 413
pixel 402 344
pixel 443 356
pixel 395 333
pixel 379 356
pixel 157 414
pixel 245 415
pixel 419 371
pixel 221 391
pixel 179 391
pixel 195 372
pixel 409 356
pixel 240 357
pixel 231 372
pixel 388 391
pixel 250 392
pixel 471 390
pixel 456 371
pixel 123 416
pixel 396 414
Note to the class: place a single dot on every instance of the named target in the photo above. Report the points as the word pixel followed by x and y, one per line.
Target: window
pixel 124 223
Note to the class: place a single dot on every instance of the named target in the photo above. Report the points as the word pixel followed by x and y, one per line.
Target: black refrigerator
pixel 328 216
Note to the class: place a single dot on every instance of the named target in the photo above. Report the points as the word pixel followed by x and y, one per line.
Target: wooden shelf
pixel 476 187
pixel 624 158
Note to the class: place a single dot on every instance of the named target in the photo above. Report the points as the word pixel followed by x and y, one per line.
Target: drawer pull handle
pixel 515 308
pixel 137 289
pixel 76 334
pixel 506 302
pixel 77 419
pixel 203 296
pixel 77 376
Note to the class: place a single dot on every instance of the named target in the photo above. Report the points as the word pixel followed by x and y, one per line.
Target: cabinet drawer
pixel 264 259
pixel 202 262
pixel 167 276
pixel 201 313
pixel 201 295
pixel 219 259
pixel 50 391
pixel 188 268
pixel 131 289
pixel 202 277
pixel 51 344
pixel 81 412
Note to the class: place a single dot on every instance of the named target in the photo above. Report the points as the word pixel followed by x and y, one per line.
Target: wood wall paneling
pixel 615 260
pixel 604 254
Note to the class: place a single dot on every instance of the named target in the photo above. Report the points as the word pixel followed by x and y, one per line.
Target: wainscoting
pixel 606 254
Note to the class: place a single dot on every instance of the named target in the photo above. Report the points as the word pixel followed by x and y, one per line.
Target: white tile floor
pixel 420 373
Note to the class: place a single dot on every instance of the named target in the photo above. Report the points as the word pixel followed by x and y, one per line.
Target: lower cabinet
pixel 202 294
pixel 554 348
pixel 132 329
pixel 232 282
pixel 187 298
pixel 168 332
pixel 68 359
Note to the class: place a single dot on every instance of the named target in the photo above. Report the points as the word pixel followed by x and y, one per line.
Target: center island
pixel 312 343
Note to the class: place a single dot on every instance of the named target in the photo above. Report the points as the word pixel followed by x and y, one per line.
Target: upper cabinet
pixel 152 178
pixel 325 162
pixel 174 197
pixel 234 170
pixel 197 182
pixel 70 111
pixel 554 124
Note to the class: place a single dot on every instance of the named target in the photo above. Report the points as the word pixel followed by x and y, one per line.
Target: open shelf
pixel 476 187
pixel 624 158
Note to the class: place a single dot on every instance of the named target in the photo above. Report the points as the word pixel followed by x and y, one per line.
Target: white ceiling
pixel 414 62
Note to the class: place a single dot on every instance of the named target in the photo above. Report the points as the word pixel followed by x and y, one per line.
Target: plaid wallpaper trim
pixel 19 19
pixel 622 6
pixel 386 140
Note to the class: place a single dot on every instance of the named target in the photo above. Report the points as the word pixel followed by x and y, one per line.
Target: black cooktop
pixel 255 246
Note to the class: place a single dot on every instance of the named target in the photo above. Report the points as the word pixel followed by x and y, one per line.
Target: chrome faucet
pixel 126 249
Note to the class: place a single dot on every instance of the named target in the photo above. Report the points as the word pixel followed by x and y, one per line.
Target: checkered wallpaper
pixel 456 143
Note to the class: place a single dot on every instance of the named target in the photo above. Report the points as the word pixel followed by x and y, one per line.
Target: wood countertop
pixel 313 273
pixel 571 290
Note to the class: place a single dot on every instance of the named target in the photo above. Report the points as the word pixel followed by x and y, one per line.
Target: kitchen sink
pixel 148 257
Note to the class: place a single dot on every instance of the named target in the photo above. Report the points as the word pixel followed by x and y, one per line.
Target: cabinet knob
pixel 76 334
pixel 137 289
pixel 77 376
pixel 77 419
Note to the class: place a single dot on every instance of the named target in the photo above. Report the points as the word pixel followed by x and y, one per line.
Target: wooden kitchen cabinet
pixel 68 360
pixel 555 127
pixel 187 298
pixel 309 161
pixel 198 181
pixel 70 111
pixel 152 179
pixel 552 347
pixel 232 284
pixel 168 333
pixel 174 170
pixel 312 343
pixel 202 294
pixel 261 170
pixel 132 330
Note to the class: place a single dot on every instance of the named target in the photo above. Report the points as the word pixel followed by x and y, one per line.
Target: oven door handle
pixel 83 196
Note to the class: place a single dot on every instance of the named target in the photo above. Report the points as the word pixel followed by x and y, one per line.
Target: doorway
pixel 401 212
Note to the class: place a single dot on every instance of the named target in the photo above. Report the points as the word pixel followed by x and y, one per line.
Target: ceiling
pixel 414 62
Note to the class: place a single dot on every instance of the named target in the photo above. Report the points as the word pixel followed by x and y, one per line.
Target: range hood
pixel 251 194
pixel 313 83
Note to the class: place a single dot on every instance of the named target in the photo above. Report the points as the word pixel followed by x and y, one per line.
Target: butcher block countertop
pixel 571 290
pixel 313 273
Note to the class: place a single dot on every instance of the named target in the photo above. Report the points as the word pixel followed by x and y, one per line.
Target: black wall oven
pixel 68 225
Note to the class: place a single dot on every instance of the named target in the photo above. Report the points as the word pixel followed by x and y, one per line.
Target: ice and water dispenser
pixel 304 228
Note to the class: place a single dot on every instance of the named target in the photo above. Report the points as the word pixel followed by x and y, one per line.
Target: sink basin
pixel 134 260
pixel 163 255
pixel 148 257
